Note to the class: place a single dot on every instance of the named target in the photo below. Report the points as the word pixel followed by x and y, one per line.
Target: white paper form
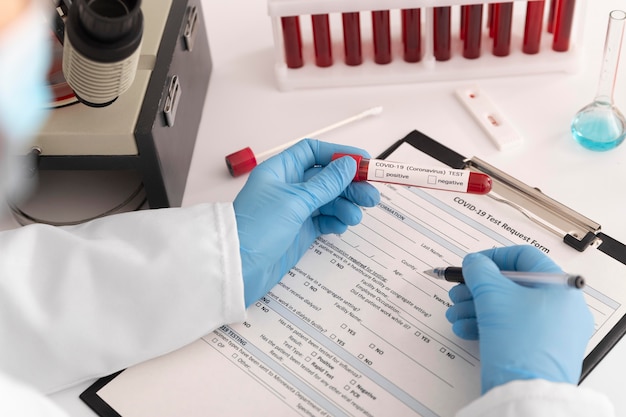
pixel 356 328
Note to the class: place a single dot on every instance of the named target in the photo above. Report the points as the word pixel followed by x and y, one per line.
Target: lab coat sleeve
pixel 19 400
pixel 539 398
pixel 84 301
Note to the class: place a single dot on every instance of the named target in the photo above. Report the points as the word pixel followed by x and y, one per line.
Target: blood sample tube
pixel 473 30
pixel 533 26
pixel 382 36
pixel 321 40
pixel 441 33
pixel 352 38
pixel 440 178
pixel 563 19
pixel 411 35
pixel 502 20
pixel 292 41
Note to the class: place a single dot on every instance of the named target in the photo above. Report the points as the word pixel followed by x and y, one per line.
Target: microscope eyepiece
pixel 109 21
pixel 101 48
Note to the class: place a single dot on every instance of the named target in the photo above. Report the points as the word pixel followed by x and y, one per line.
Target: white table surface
pixel 244 108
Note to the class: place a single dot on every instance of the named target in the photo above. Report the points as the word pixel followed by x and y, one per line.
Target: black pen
pixel 455 274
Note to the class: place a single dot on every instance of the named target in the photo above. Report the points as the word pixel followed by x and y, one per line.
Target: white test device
pixel 486 113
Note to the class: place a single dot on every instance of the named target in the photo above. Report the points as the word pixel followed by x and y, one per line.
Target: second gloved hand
pixel 287 202
pixel 523 332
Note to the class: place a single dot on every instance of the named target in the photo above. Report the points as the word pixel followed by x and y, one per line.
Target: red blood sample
pixel 441 33
pixel 563 24
pixel 473 30
pixel 352 38
pixel 382 36
pixel 533 27
pixel 411 35
pixel 502 21
pixel 292 41
pixel 321 40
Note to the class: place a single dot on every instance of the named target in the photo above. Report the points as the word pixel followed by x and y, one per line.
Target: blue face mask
pixel 24 63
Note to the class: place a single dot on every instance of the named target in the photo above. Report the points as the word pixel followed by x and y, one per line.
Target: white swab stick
pixel 244 160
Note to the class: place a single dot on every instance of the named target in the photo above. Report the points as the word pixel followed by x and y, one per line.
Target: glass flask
pixel 600 126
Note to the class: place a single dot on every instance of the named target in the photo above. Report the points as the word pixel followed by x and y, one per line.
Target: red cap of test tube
pixel 241 162
pixel 479 183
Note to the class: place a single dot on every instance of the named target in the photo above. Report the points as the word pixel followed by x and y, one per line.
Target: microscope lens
pixel 102 48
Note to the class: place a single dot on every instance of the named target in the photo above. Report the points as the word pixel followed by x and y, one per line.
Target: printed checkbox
pixel 344 325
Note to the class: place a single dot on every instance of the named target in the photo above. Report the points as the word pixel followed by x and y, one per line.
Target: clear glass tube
pixel 612 48
pixel 600 125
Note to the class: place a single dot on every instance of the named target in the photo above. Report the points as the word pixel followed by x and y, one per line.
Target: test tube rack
pixel 428 66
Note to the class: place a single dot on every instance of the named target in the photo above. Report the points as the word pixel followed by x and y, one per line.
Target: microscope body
pixel 152 127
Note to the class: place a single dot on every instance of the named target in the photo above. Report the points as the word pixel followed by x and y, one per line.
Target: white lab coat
pixel 85 301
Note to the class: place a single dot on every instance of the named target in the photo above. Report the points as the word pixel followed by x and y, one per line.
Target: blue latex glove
pixel 523 332
pixel 288 201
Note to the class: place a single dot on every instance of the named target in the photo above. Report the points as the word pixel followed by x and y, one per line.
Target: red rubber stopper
pixel 240 162
pixel 479 183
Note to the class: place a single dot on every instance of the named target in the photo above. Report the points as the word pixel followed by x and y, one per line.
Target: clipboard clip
pixel 576 230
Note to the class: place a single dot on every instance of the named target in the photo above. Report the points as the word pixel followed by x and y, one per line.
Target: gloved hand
pixel 288 201
pixel 523 332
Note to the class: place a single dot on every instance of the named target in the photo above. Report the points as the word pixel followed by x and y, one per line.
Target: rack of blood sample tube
pixel 334 43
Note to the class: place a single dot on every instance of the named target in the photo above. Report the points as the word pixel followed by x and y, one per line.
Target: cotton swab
pixel 244 160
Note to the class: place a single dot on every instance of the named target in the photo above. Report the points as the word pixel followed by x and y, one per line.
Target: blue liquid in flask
pixel 599 127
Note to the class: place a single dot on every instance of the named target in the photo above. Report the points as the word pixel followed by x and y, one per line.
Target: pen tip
pixel 431 273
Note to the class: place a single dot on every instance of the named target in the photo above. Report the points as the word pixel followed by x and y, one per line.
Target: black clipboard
pixel 95 402
pixel 531 198
pixel 551 211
